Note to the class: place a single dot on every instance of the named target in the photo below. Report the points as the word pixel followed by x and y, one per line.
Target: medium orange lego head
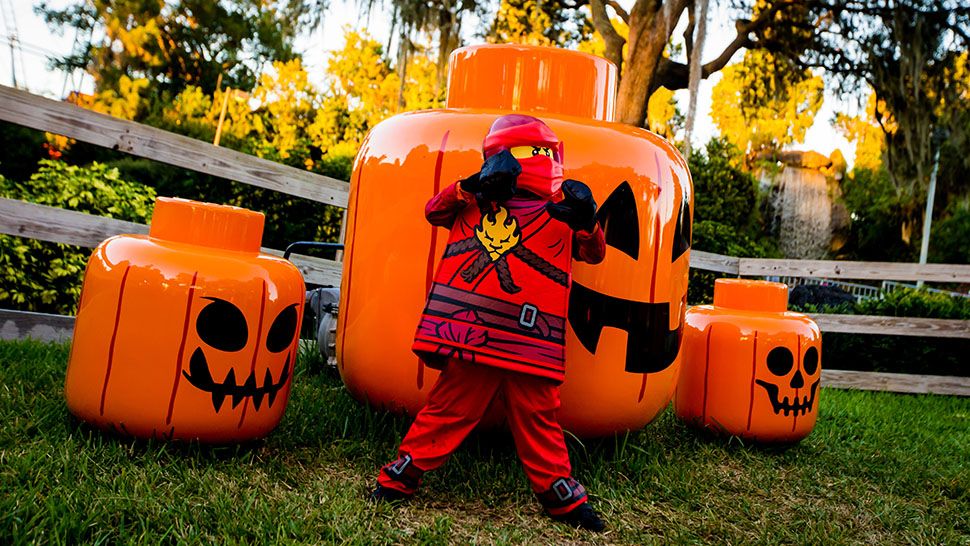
pixel 189 332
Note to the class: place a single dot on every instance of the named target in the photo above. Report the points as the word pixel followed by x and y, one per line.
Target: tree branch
pixel 619 10
pixel 614 42
pixel 689 31
pixel 674 75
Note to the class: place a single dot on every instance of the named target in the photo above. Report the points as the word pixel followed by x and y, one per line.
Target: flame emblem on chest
pixel 499 232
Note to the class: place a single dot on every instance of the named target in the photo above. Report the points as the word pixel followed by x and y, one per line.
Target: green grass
pixel 879 468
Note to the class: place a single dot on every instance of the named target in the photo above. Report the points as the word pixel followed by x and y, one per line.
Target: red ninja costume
pixel 495 319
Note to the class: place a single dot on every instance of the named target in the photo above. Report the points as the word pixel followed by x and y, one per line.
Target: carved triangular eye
pixel 681 231
pixel 618 218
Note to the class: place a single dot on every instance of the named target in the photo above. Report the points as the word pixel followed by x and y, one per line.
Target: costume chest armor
pixel 500 292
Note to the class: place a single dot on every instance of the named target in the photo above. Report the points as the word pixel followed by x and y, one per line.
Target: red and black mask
pixel 537 149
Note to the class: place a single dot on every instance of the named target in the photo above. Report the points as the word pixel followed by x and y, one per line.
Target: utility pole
pixel 924 249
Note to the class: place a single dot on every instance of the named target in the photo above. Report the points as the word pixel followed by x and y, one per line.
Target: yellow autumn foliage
pixel 762 103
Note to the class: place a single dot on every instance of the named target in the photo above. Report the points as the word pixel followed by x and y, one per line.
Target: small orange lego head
pixel 751 368
pixel 189 332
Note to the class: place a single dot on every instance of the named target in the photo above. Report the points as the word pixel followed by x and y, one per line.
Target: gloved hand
pixel 496 181
pixel 577 209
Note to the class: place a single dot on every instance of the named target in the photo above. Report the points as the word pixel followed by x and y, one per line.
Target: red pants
pixel 457 403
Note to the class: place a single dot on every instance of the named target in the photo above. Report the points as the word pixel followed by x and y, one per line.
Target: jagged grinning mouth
pixel 201 378
pixel 804 406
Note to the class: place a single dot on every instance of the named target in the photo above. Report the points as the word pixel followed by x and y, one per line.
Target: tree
pixel 908 53
pixel 867 134
pixel 539 22
pixel 412 17
pixel 176 43
pixel 765 102
pixel 651 23
pixel 663 115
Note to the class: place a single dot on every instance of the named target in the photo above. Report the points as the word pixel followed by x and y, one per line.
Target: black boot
pixel 567 492
pixel 401 471
pixel 388 495
pixel 584 517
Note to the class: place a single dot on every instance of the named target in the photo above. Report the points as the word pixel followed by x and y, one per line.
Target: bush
pixel 46 277
pixel 877 214
pixel 711 236
pixel 950 241
pixel 726 217
pixel 723 192
pixel 899 354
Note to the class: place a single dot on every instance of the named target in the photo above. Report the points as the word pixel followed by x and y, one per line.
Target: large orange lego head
pixel 537 149
pixel 625 314
pixel 189 332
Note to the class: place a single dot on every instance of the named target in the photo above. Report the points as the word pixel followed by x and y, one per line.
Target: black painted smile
pixel 201 378
pixel 804 405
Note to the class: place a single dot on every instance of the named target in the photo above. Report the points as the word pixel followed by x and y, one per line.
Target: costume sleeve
pixel 589 247
pixel 443 208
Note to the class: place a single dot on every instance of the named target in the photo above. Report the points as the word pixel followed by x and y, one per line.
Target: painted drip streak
pixel 798 366
pixel 259 337
pixel 707 369
pixel 656 260
pixel 754 367
pixel 114 337
pixel 178 361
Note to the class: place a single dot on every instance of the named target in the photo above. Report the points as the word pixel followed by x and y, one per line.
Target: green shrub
pixel 711 236
pixel 46 277
pixel 950 241
pixel 899 354
pixel 723 192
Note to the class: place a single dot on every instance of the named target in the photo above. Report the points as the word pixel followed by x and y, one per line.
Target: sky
pixel 38 42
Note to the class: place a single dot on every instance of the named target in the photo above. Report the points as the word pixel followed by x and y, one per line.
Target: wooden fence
pixel 69 227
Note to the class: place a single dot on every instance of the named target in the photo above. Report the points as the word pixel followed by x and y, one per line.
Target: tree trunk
pixel 645 45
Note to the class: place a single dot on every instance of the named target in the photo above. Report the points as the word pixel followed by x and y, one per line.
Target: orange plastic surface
pixel 540 80
pixel 150 307
pixel 392 251
pixel 750 369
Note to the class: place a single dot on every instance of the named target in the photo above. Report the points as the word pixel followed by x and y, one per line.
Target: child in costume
pixel 495 320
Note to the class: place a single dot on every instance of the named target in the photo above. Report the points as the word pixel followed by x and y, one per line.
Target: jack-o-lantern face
pixel 651 345
pixel 787 391
pixel 750 368
pixel 222 326
pixel 177 340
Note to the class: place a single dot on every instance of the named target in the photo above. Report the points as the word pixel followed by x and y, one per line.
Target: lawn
pixel 878 469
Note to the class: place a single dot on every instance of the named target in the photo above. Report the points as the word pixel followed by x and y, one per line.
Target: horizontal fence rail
pixel 86 230
pixel 63 226
pixel 72 121
pixel 39 326
pixel 833 269
pixel 897 382
pixel 829 269
pixel 894 326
